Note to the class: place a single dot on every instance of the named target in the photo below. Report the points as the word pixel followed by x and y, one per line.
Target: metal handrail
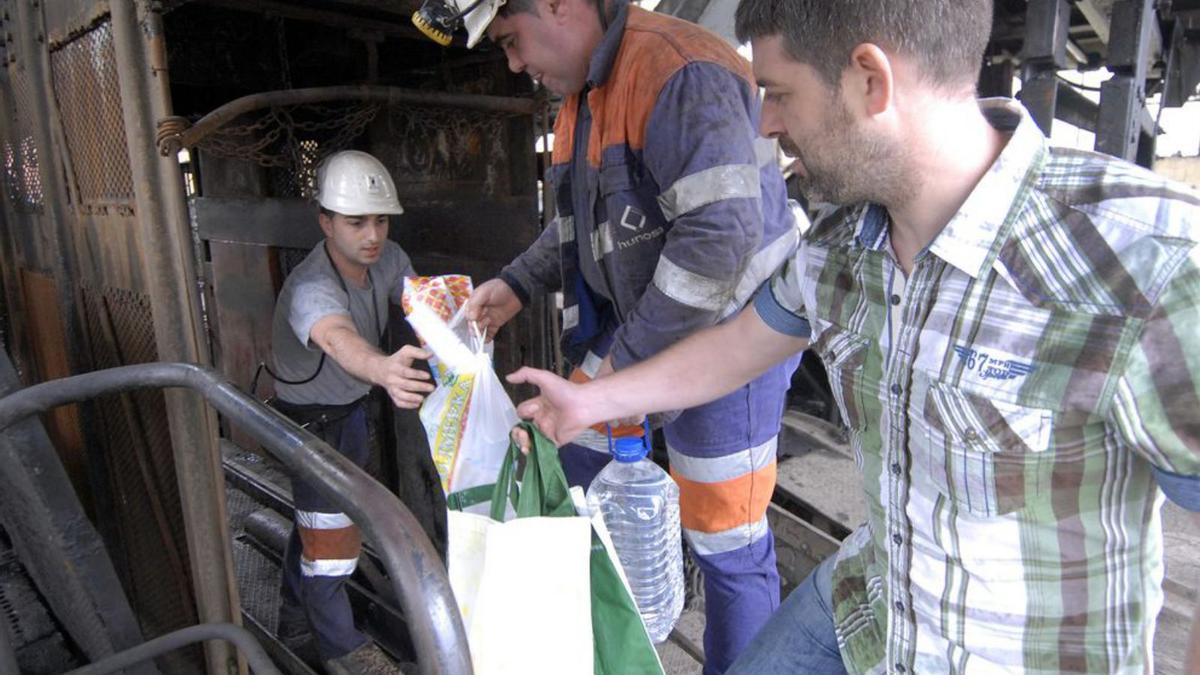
pixel 417 573
pixel 260 663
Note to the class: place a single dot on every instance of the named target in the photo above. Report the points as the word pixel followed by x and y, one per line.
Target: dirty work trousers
pixel 322 551
pixel 722 455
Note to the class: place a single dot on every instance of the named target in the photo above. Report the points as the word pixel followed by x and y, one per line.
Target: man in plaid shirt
pixel 1012 333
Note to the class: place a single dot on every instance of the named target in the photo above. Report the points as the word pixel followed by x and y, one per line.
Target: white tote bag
pixel 524 591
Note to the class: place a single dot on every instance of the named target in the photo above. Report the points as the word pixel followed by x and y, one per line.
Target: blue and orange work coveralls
pixel 670 215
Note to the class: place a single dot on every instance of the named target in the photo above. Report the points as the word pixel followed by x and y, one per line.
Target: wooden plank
pixel 49 342
pixel 244 295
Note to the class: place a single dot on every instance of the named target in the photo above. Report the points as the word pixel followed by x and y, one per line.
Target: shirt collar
pixel 973 237
pixel 606 52
pixel 871 228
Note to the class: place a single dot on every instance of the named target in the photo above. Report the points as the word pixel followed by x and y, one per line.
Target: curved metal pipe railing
pixel 260 663
pixel 416 571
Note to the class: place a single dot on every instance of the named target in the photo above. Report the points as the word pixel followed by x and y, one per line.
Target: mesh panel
pixel 442 146
pixel 89 99
pixel 141 470
pixel 22 177
pixel 289 258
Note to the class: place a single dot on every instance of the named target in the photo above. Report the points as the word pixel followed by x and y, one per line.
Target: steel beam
pixel 1039 94
pixel 1046 25
pixel 167 252
pixel 1123 97
pixel 1045 53
pixel 1076 109
pixel 1096 16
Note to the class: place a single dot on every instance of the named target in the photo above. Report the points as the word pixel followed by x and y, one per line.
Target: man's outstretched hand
pixel 560 411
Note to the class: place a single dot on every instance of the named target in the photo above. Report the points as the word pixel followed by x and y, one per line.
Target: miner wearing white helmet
pixel 326 344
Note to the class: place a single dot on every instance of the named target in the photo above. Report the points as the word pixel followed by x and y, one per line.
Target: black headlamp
pixel 438 19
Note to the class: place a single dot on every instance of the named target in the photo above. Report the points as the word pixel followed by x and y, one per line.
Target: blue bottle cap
pixel 629 449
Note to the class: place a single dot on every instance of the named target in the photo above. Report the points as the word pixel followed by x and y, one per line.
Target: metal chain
pixel 274 137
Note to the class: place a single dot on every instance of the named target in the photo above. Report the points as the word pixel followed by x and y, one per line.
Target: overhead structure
pixel 1150 46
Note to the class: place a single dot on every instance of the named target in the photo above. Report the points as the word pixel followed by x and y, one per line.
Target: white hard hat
pixel 477 20
pixel 354 183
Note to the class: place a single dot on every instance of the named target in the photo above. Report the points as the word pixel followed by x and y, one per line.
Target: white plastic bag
pixel 469 416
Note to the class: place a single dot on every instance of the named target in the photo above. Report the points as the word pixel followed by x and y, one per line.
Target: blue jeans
pixel 799 637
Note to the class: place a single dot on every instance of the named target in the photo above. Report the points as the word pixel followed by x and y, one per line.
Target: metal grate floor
pixel 34 635
pixel 257 574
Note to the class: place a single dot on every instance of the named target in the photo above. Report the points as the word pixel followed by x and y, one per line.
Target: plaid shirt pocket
pixel 985 454
pixel 844 354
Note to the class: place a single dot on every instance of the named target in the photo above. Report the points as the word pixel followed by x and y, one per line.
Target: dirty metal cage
pixel 143 485
pixel 22 179
pixel 89 100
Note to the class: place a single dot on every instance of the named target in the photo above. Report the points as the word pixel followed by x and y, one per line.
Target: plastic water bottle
pixel 640 506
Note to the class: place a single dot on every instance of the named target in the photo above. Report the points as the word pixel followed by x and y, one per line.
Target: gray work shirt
pixel 313 291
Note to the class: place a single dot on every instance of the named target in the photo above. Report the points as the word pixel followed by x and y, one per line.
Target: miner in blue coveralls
pixel 668 218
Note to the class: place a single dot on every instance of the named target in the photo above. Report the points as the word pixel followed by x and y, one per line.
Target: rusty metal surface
pixel 170 261
pixel 66 19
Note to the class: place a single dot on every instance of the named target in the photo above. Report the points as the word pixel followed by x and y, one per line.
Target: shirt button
pixel 896 468
pixel 895 299
pixel 899 606
pixel 896 389
pixel 971 435
pixel 898 539
pixel 900 668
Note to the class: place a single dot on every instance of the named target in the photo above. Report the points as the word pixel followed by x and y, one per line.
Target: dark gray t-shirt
pixel 312 291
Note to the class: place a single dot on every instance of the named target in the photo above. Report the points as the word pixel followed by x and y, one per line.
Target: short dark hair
pixel 528 7
pixel 946 37
pixel 326 212
pixel 518 7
